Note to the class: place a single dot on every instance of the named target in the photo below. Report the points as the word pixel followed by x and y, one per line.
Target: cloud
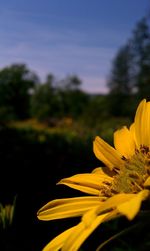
pixel 90 64
pixel 63 51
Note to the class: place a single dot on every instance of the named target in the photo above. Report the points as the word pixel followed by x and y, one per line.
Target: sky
pixel 67 37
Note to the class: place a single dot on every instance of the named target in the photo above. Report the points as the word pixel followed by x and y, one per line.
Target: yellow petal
pixel 82 231
pixel 142 124
pixel 88 182
pixel 70 207
pixel 124 142
pixel 57 243
pixel 132 131
pixel 107 154
pixel 147 125
pixel 139 121
pixel 147 182
pixel 98 170
pixel 72 239
pixel 131 207
pixel 113 202
pixel 105 172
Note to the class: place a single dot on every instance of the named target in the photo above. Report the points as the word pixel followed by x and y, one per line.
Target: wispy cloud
pixel 59 51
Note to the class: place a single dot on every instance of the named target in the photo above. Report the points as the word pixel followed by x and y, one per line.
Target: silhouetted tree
pixel 129 80
pixel 54 100
pixel 120 82
pixel 74 100
pixel 16 85
pixel 141 55
pixel 96 110
pixel 71 82
pixel 46 101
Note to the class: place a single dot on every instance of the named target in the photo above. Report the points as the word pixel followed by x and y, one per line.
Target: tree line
pixel 129 79
pixel 23 95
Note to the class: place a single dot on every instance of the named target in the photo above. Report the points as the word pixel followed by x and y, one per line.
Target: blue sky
pixel 67 37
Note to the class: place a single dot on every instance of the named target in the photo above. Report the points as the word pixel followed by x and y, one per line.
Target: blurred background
pixel 69 70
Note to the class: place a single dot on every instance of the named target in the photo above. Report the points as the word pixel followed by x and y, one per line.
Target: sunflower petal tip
pixel 147 182
pixel 59 182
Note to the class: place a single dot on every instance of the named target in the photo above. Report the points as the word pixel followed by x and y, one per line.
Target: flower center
pixel 131 176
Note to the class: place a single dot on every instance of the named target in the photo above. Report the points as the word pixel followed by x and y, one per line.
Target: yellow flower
pixel 116 189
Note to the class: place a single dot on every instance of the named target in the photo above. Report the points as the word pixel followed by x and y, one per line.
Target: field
pixel 34 158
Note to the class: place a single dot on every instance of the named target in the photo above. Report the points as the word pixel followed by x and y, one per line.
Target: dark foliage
pixel 30 170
